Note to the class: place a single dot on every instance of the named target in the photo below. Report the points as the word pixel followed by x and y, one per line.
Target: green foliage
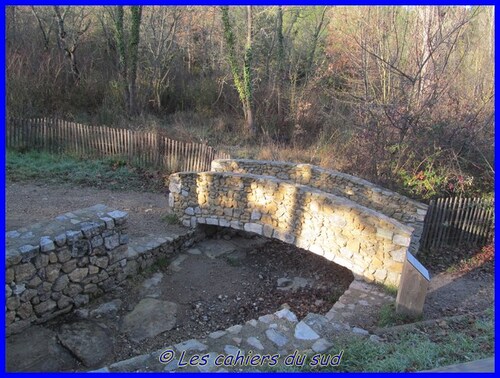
pixel 233 261
pixel 410 351
pixel 389 317
pixel 426 183
pixel 108 173
pixel 171 219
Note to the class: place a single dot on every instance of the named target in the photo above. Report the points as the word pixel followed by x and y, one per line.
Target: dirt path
pixel 30 203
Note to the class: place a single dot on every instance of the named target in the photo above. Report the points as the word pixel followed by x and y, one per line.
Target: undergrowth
pixel 107 173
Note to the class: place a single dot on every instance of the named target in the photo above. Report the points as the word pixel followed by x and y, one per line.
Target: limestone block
pixel 78 274
pixel 253 227
pixel 24 272
pixel 398 255
pixel 45 307
pixel 46 244
pixel 402 240
pixel 384 233
pixel 119 217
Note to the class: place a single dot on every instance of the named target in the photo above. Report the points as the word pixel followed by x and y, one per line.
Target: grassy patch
pixel 233 261
pixel 108 173
pixel 413 350
pixel 389 317
pixel 171 219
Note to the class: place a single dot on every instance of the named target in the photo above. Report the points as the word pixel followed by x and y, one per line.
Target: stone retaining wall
pixel 394 205
pixel 57 266
pixel 370 244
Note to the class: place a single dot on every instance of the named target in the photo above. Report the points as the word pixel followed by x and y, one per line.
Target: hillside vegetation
pixel 402 96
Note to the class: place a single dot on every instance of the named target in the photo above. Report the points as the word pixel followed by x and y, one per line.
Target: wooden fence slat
pixel 439 222
pixel 442 224
pixel 465 219
pixel 435 225
pixel 146 148
pixel 478 226
pixel 451 220
pixel 470 230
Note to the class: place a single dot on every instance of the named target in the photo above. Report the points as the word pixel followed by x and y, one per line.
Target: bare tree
pixel 242 81
pixel 68 38
pixel 160 29
pixel 128 53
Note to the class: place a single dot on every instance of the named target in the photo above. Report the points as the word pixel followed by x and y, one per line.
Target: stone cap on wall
pixel 25 242
pixel 217 165
pixel 175 187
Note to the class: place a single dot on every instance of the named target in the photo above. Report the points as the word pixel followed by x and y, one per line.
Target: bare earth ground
pixel 214 294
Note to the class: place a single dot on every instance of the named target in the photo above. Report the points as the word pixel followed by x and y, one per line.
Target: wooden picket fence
pixel 138 147
pixel 456 221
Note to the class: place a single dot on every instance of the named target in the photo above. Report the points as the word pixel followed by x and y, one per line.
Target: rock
pixel 19 289
pixel 13 303
pixel 232 350
pixel 217 334
pixel 60 283
pixel 24 271
pixel 235 329
pixel 118 216
pixel 216 248
pixel 210 365
pixel 318 323
pixel 64 254
pixel 78 274
pixel 304 332
pixel 82 313
pixel 321 345
pixel 359 331
pixel 111 242
pixel 25 310
pixel 107 309
pixel 87 341
pixel 276 337
pixel 154 280
pixel 64 302
pixel 46 244
pixel 37 350
pixel 45 307
pixel 194 251
pixel 253 341
pixel 284 283
pixel 176 264
pixel 286 314
pixel 191 345
pixel 149 318
pixel 81 300
pixel 267 318
pixel 52 272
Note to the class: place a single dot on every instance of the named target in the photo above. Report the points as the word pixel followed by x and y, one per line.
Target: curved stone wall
pixel 370 244
pixel 394 205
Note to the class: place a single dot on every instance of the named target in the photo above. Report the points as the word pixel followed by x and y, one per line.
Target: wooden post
pixel 412 288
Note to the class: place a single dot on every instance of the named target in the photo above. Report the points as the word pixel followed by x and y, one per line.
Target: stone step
pixel 279 333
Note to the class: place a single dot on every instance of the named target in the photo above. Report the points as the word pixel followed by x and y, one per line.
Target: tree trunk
pixel 281 58
pixel 243 83
pixel 247 75
pixel 136 12
pixel 69 49
pixel 122 54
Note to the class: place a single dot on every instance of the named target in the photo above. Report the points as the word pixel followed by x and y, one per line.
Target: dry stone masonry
pixel 350 221
pixel 394 205
pixel 55 267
